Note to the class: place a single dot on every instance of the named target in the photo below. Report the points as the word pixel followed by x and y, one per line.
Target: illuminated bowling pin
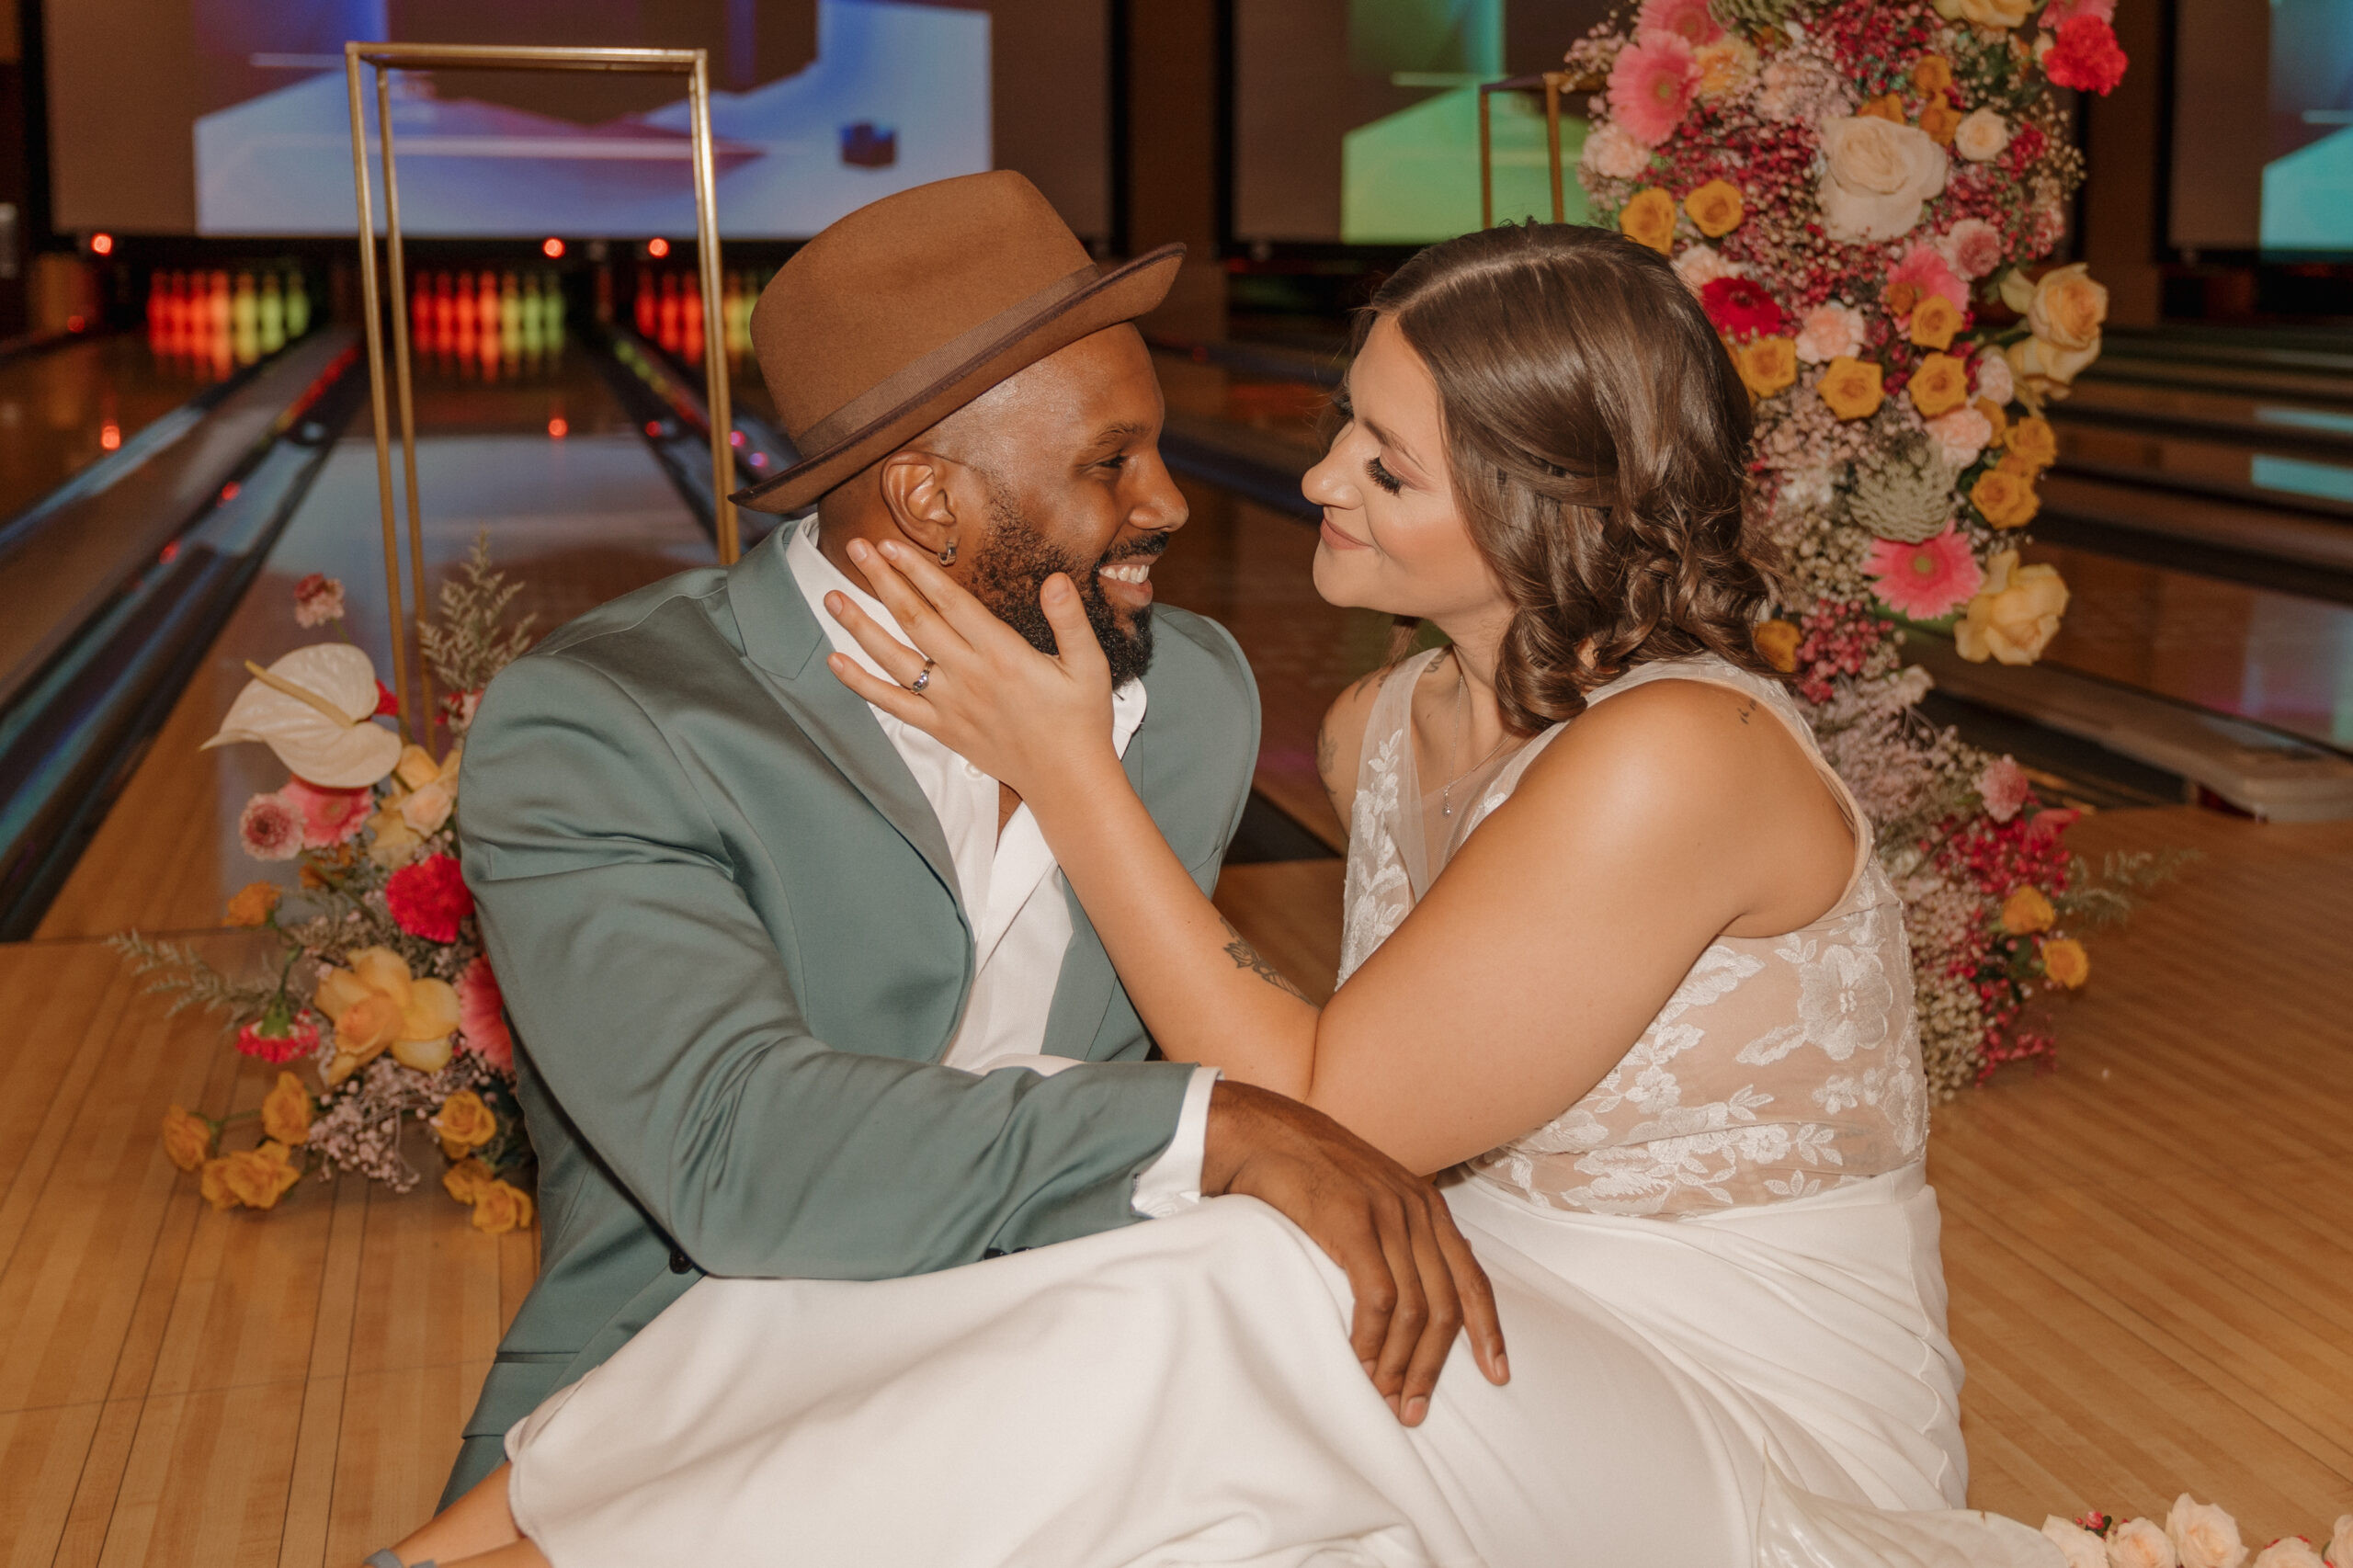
pixel 420 314
pixel 648 312
pixel 487 337
pixel 273 314
pixel 155 309
pixel 690 319
pixel 298 305
pixel 552 311
pixel 510 317
pixel 529 318
pixel 666 328
pixel 216 341
pixel 244 320
pixel 461 337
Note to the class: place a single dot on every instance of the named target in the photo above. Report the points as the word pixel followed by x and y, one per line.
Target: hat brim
pixel 1121 293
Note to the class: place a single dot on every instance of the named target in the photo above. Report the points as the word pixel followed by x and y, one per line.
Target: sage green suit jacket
pixel 727 927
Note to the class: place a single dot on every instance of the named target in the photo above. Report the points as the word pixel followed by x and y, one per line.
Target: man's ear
pixel 914 489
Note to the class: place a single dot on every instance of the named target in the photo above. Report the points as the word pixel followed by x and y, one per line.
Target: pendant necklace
pixel 1461 715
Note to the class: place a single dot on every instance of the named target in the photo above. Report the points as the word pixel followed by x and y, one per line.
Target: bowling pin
pixel 297 304
pixel 690 319
pixel 529 317
pixel 273 314
pixel 461 339
pixel 487 335
pixel 510 317
pixel 666 328
pixel 551 304
pixel 649 323
pixel 154 308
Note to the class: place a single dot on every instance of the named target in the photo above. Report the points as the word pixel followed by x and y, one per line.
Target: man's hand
pixel 1414 1278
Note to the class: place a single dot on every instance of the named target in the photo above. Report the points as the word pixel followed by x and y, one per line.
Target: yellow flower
pixel 1934 320
pixel 1715 207
pixel 2064 960
pixel 1724 67
pixel 1985 13
pixel 188 1138
pixel 253 903
pixel 2026 912
pixel 2034 442
pixel 464 1123
pixel 1778 641
pixel 2015 615
pixel 1649 220
pixel 2067 308
pixel 465 1180
pixel 1931 75
pixel 259 1178
pixel 500 1206
pixel 1887 107
pixel 1851 387
pixel 393 843
pixel 2005 499
pixel 1995 417
pixel 286 1111
pixel 432 789
pixel 377 1004
pixel 1939 386
pixel 214 1185
pixel 1767 364
pixel 1940 122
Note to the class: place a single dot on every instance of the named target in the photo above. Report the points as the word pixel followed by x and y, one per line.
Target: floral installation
pixel 379 1010
pixel 2192 1535
pixel 1863 194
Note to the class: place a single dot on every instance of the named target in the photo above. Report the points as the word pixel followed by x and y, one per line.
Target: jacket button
pixel 679 1262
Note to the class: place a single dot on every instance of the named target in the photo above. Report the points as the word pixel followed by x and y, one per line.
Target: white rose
pixel 2077 1545
pixel 1876 174
pixel 2203 1535
pixel 2139 1543
pixel 1983 136
pixel 1993 383
pixel 1613 154
pixel 2289 1552
pixel 2340 1545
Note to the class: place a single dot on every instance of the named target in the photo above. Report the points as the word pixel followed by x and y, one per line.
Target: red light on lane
pixel 74 324
pixel 552 247
pixel 557 429
pixel 229 492
pixel 653 429
pixel 109 437
pixel 657 247
pixel 735 438
pixel 102 244
pixel 171 552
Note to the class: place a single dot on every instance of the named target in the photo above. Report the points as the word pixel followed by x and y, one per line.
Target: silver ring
pixel 922 679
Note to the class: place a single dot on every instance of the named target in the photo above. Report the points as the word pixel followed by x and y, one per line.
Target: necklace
pixel 1461 715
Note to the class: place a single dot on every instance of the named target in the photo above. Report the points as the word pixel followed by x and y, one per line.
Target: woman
pixel 1618 958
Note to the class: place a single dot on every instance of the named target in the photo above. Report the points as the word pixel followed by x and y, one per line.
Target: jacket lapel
pixel 783 641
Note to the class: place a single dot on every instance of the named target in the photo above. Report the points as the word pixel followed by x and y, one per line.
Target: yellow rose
pixel 259 1178
pixel 2067 308
pixel 1888 107
pixel 2026 912
pixel 2034 443
pixel 1934 320
pixel 1995 417
pixel 214 1185
pixel 2015 615
pixel 1649 220
pixel 1931 75
pixel 188 1138
pixel 393 842
pixel 465 1180
pixel 1940 122
pixel 2005 499
pixel 377 1004
pixel 1767 364
pixel 1715 207
pixel 1851 387
pixel 1724 67
pixel 253 903
pixel 1778 641
pixel 464 1123
pixel 2064 960
pixel 2042 371
pixel 500 1206
pixel 1986 13
pixel 1939 386
pixel 286 1111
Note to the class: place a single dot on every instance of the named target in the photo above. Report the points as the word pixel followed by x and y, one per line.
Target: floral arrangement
pixel 1862 193
pixel 2194 1535
pixel 380 1009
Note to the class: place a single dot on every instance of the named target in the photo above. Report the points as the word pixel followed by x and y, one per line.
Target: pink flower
pixel 318 599
pixel 2004 788
pixel 270 828
pixel 1973 246
pixel 329 816
pixel 278 1040
pixel 429 897
pixel 1690 20
pixel 1929 273
pixel 1961 435
pixel 2084 55
pixel 482 1019
pixel 2060 11
pixel 2051 821
pixel 1649 87
pixel 1830 332
pixel 1926 580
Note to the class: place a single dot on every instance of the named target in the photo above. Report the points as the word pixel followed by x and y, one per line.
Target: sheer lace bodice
pixel 1781 1065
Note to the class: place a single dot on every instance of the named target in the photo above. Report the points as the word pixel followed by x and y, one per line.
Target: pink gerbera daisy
pixel 480 1019
pixel 1687 19
pixel 329 816
pixel 1649 87
pixel 1932 578
pixel 1929 273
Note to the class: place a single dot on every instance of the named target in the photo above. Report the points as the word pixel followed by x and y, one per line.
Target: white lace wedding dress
pixel 1718 1275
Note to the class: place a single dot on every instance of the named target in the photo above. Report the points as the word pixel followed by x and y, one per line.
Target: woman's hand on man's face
pixel 1028 721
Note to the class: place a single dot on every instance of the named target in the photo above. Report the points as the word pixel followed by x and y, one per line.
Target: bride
pixel 1619 969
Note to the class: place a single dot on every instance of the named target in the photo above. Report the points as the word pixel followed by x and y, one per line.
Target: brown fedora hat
pixel 907 310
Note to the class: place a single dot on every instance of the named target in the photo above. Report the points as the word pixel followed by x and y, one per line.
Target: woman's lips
pixel 1338 540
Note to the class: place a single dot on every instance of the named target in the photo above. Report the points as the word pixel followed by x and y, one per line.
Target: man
pixel 792 981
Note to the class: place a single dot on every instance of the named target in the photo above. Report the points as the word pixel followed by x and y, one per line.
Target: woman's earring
pixel 948 556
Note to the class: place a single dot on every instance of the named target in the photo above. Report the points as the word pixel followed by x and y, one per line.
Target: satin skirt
pixel 1762 1386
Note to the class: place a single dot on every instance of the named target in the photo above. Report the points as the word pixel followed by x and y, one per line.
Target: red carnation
pixel 2086 56
pixel 429 898
pixel 280 1037
pixel 1740 309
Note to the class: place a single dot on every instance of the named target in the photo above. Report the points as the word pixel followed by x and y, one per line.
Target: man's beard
pixel 1014 564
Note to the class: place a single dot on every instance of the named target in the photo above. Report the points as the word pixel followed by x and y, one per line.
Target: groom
pixel 792 983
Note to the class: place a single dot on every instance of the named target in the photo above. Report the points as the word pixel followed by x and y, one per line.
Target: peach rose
pixel 1981 136
pixel 1767 364
pixel 1828 332
pixel 286 1111
pixel 500 1206
pixel 2016 613
pixel 2067 308
pixel 2139 1543
pixel 2005 499
pixel 253 903
pixel 464 1124
pixel 1778 641
pixel 2077 1545
pixel 187 1138
pixel 2027 911
pixel 1851 387
pixel 2202 1535
pixel 1876 177
pixel 1715 208
pixel 2288 1552
pixel 2034 442
pixel 1961 435
pixel 2340 1543
pixel 1649 220
pixel 1934 320
pixel 1941 383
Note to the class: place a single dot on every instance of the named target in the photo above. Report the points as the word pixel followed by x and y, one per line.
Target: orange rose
pixel 1778 641
pixel 2034 442
pixel 500 1206
pixel 188 1138
pixel 1993 415
pixel 1851 387
pixel 1888 107
pixel 1715 207
pixel 1934 320
pixel 253 903
pixel 2026 912
pixel 214 1185
pixel 1901 298
pixel 1939 386
pixel 259 1178
pixel 1931 75
pixel 286 1111
pixel 465 1180
pixel 2064 960
pixel 1767 364
pixel 2005 499
pixel 1649 220
pixel 464 1123
pixel 1940 122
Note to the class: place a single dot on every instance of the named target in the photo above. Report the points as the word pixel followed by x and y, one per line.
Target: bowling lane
pixel 63 410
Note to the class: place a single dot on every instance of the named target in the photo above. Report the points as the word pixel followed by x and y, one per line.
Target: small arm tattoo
pixel 1746 709
pixel 1245 956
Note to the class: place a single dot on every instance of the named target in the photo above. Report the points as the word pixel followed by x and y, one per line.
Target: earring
pixel 948 556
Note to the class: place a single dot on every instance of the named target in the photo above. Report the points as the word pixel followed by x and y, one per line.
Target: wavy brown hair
pixel 1599 438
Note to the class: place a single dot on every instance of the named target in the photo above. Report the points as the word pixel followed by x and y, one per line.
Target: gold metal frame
pixel 692 63
pixel 1552 83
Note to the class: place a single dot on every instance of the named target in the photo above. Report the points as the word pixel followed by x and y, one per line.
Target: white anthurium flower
pixel 315 708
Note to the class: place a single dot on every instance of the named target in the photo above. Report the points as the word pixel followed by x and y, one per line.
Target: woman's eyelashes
pixel 1380 475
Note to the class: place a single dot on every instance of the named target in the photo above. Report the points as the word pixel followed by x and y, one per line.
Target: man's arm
pixel 656 1007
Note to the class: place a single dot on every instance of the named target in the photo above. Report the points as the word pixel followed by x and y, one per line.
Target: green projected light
pixel 1413 176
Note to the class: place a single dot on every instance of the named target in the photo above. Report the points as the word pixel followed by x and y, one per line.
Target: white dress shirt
pixel 1012 893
